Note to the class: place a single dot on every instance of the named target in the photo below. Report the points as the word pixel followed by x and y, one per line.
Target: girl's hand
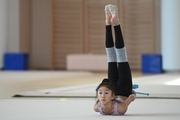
pixel 133 97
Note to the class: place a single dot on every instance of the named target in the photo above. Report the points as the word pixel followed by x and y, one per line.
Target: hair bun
pixel 105 80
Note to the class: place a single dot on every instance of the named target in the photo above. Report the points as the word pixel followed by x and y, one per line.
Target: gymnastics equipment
pixel 135 86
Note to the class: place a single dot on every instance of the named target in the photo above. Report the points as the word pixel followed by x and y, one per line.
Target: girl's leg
pixel 125 80
pixel 111 56
pixel 110 51
pixel 124 83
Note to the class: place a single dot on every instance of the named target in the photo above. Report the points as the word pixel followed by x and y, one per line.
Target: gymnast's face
pixel 105 95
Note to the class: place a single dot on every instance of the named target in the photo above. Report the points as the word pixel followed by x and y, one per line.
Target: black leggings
pixel 119 73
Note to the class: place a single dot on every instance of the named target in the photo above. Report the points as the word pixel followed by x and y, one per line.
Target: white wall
pixel 9 27
pixel 13 35
pixel 170 26
pixel 3 29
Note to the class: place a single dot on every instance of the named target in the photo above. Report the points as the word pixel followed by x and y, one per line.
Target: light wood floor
pixel 13 82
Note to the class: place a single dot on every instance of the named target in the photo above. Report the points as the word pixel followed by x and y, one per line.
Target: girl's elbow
pixel 96 108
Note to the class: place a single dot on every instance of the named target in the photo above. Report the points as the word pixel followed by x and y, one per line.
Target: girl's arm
pixel 124 105
pixel 131 98
pixel 96 106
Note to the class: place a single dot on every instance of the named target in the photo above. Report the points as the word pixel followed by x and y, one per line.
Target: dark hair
pixel 106 83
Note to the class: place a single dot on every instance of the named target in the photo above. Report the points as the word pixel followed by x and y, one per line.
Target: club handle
pixel 142 93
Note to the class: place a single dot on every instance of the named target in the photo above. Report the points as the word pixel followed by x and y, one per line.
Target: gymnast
pixel 115 93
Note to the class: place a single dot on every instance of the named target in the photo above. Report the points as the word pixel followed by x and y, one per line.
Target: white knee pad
pixel 111 54
pixel 121 55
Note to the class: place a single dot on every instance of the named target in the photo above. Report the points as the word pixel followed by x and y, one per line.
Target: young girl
pixel 115 93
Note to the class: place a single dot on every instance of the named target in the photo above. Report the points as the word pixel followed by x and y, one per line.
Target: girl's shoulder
pixel 119 100
pixel 120 97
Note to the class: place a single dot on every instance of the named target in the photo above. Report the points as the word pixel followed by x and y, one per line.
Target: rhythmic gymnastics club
pixel 135 86
pixel 142 93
